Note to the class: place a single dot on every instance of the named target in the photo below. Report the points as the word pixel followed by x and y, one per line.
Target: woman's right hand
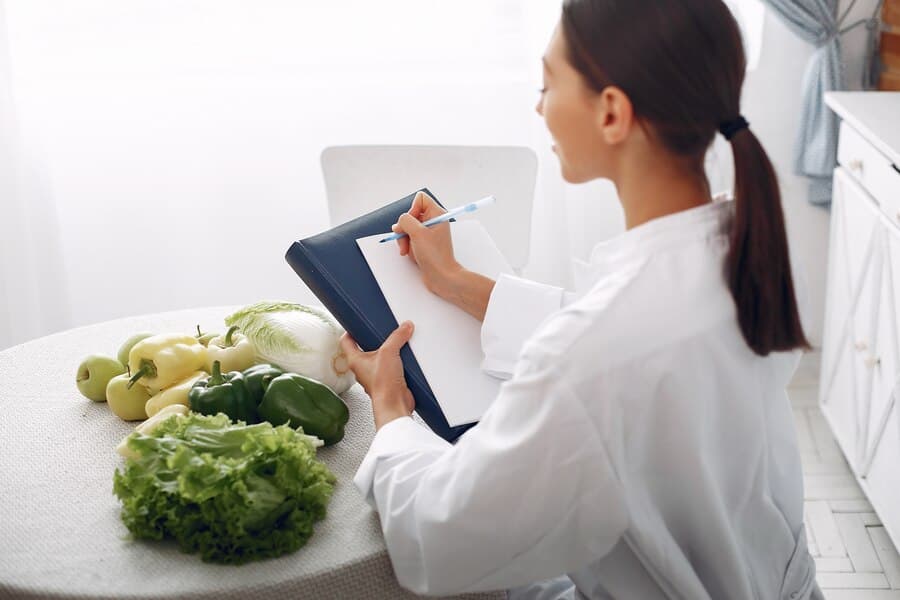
pixel 430 247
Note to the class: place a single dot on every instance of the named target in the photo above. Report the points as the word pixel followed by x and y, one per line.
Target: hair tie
pixel 730 128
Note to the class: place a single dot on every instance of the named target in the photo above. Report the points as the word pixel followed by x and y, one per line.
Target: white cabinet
pixel 849 318
pixel 860 378
pixel 881 469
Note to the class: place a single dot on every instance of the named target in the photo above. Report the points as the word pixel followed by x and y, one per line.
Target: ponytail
pixel 758 266
pixel 698 67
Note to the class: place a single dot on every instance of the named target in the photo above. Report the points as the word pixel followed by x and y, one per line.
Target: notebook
pixel 447 340
pixel 337 271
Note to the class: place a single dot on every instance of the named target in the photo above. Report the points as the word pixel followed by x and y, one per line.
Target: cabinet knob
pixel 855 165
pixel 860 346
pixel 873 361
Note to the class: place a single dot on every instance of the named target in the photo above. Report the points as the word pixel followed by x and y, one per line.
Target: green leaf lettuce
pixel 232 492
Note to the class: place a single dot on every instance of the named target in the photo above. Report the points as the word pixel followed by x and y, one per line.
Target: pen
pixel 465 208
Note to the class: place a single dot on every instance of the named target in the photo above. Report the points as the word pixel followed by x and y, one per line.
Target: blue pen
pixel 465 208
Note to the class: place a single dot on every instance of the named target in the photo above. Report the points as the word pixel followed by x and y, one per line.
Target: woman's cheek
pixel 551 120
pixel 545 109
pixel 555 120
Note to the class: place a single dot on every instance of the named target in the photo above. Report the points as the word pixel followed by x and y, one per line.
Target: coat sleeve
pixel 527 494
pixel 515 310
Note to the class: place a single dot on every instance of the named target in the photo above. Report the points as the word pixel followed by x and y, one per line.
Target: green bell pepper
pixel 306 403
pixel 257 379
pixel 223 393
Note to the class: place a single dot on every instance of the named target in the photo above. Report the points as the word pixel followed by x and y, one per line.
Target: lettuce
pixel 232 492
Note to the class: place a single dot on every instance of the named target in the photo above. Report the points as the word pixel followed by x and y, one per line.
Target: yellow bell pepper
pixel 234 351
pixel 148 426
pixel 162 360
pixel 176 394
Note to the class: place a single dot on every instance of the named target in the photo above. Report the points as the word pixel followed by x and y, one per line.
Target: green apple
pixel 127 404
pixel 129 344
pixel 94 373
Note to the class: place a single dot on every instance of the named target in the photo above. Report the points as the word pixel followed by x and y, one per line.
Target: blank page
pixel 447 340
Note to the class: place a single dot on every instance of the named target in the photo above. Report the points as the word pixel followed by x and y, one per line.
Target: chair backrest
pixel 359 179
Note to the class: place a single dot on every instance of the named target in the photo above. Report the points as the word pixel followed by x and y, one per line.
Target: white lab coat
pixel 639 446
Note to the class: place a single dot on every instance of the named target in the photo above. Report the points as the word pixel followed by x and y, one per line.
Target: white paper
pixel 446 340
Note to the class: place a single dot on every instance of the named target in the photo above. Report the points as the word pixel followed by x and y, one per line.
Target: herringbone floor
pixel 855 559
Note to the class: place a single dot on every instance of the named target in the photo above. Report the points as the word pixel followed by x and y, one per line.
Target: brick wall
pixel 890 46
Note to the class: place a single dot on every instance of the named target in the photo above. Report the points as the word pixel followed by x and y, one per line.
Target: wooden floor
pixel 855 559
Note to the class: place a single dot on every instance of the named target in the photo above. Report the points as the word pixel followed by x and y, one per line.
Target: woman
pixel 644 444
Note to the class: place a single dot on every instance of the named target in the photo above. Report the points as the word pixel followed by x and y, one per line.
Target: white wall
pixel 772 102
pixel 182 143
pixel 183 140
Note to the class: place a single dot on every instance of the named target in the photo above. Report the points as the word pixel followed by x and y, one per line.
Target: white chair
pixel 359 179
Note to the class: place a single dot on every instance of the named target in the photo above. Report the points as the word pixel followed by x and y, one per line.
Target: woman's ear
pixel 614 114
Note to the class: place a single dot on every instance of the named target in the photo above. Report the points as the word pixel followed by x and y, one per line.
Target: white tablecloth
pixel 60 531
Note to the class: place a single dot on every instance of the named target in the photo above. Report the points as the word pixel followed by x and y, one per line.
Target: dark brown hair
pixel 681 63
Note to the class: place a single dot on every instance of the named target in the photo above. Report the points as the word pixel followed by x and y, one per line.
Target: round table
pixel 60 531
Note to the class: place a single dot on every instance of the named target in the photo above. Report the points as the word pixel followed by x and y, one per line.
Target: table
pixel 60 531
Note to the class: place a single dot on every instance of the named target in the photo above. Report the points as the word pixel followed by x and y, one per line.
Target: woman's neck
pixel 655 188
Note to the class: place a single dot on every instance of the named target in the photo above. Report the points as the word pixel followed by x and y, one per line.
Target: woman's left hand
pixel 381 374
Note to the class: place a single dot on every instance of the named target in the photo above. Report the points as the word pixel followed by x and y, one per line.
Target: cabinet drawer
pixel 872 169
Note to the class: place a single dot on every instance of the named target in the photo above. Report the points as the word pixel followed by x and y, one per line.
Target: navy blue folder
pixel 336 271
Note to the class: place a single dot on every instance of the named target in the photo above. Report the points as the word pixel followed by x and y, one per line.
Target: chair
pixel 359 179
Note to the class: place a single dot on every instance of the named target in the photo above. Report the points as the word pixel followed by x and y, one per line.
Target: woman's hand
pixel 381 374
pixel 430 247
pixel 432 250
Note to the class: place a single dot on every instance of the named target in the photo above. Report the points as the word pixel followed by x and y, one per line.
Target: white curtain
pixel 184 139
pixel 33 298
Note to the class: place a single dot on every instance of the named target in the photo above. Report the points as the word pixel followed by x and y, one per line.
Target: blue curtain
pixel 817 22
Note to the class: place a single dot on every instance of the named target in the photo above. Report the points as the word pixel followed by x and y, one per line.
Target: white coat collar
pixel 641 242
